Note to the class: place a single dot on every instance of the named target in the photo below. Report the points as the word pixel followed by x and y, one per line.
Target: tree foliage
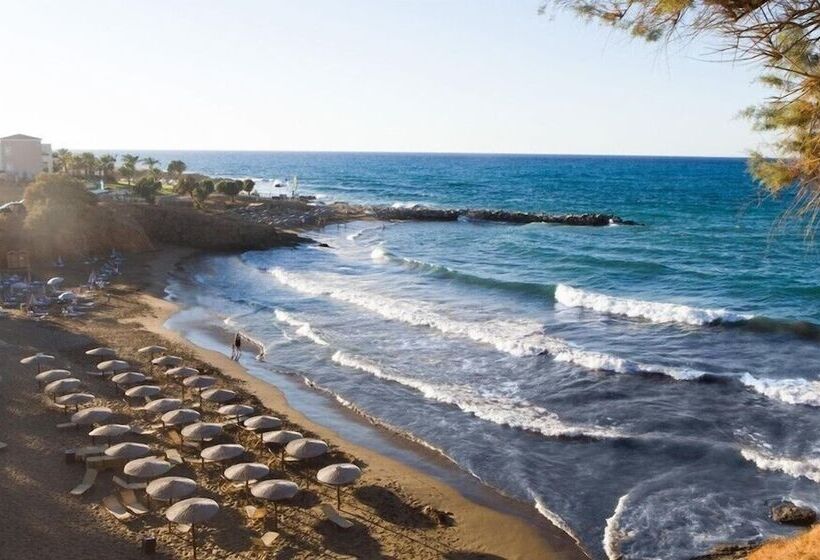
pixel 248 185
pixel 782 37
pixel 229 188
pixel 147 188
pixel 176 168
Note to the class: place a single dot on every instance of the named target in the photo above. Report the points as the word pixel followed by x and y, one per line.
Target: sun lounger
pixel 142 431
pixel 66 426
pixel 254 512
pixel 174 457
pixel 269 539
pixel 128 485
pixel 103 462
pixel 115 508
pixel 333 515
pixel 182 528
pixel 130 500
pixel 84 453
pixel 86 483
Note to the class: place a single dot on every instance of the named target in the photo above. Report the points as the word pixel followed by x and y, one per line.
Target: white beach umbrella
pixel 170 488
pixel 63 386
pixel 52 375
pixel 221 452
pixel 75 399
pixel 275 491
pixel 110 431
pixel 54 282
pixel 67 296
pixel 201 431
pixel 128 450
pixel 151 350
pixel 281 438
pixel 245 472
pixel 180 416
pixel 143 391
pixel 112 366
pixel 167 361
pixel 262 422
pixel 128 378
pixel 102 352
pixel 147 467
pixel 338 475
pixel 218 395
pixel 200 382
pixel 161 406
pixel 38 360
pixel 182 372
pixel 235 410
pixel 306 448
pixel 192 511
pixel 94 415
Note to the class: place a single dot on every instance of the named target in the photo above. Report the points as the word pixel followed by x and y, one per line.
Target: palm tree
pixel 88 162
pixel 129 166
pixel 64 159
pixel 151 164
pixel 107 162
pixel 176 168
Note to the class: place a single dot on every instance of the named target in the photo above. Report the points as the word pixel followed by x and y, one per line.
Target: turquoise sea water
pixel 652 389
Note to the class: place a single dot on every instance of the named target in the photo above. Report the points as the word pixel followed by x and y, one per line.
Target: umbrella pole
pixel 193 538
pixel 339 498
pixel 275 517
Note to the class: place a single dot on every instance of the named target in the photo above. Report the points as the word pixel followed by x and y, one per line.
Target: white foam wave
pixel 380 254
pixel 656 312
pixel 303 328
pixel 808 467
pixel 790 391
pixel 613 534
pixel 502 410
pixel 355 235
pixel 554 518
pixel 407 205
pixel 517 338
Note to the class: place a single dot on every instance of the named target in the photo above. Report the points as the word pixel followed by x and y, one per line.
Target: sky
pixel 359 75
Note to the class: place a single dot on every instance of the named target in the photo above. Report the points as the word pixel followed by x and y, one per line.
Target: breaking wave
pixel 303 328
pixel 790 391
pixel 808 467
pixel 613 534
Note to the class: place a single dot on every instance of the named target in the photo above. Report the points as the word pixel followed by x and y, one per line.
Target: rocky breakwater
pixel 423 213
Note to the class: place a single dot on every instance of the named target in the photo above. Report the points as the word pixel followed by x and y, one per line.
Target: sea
pixel 653 389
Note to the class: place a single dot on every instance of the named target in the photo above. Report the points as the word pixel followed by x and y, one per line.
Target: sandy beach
pixel 398 511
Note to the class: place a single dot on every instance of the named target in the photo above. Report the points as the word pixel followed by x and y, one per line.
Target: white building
pixel 23 157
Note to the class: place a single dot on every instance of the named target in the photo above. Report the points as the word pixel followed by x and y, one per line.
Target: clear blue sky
pixel 460 75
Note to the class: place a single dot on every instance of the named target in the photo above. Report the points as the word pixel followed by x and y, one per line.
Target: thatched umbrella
pixel 179 417
pixel 75 400
pixel 305 449
pixel 281 438
pixel 167 361
pixel 245 472
pixel 63 386
pixel 170 488
pixel 91 416
pixel 180 373
pixel 38 359
pixel 201 431
pixel 152 351
pixel 200 382
pixel 338 475
pixel 102 352
pixel 147 467
pixel 274 491
pixel 262 422
pixel 143 391
pixel 235 410
pixel 128 450
pixel 161 406
pixel 221 452
pixel 192 512
pixel 109 431
pixel 113 365
pixel 128 378
pixel 218 395
pixel 51 375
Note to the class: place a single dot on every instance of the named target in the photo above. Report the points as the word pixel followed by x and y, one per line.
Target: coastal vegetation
pixel 782 37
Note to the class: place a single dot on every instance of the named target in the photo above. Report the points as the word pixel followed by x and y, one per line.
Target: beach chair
pixel 130 501
pixel 103 462
pixel 128 485
pixel 332 515
pixel 174 457
pixel 89 451
pixel 86 483
pixel 269 539
pixel 115 508
pixel 254 513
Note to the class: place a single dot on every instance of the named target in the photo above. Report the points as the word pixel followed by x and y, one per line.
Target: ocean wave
pixel 808 467
pixel 554 518
pixel 502 410
pixel 655 312
pixel 379 254
pixel 790 391
pixel 357 234
pixel 303 328
pixel 613 534
pixel 517 338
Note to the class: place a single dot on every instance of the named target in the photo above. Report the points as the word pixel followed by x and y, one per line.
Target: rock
pixel 792 514
pixel 728 552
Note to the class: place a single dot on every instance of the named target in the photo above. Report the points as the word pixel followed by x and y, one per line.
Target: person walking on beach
pixel 236 351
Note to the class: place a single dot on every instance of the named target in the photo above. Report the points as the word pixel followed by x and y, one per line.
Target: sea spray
pixel 613 534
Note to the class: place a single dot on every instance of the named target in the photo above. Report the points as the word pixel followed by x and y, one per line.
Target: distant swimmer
pixel 236 350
